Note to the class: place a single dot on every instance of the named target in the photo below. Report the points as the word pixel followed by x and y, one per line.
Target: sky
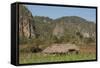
pixel 56 12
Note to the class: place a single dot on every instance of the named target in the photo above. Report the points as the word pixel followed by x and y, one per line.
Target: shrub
pixel 22 40
pixel 57 40
pixel 89 40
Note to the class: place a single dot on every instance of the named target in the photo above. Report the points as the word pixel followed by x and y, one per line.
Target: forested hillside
pixel 67 29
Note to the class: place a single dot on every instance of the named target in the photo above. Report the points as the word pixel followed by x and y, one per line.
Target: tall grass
pixel 40 58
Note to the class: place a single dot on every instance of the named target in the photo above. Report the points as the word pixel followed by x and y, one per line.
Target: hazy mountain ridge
pixel 45 27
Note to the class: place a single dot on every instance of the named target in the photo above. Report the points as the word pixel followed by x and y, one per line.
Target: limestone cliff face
pixel 58 31
pixel 26 23
pixel 44 27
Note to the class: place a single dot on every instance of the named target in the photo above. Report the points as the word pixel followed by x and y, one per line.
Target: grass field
pixel 33 58
pixel 86 53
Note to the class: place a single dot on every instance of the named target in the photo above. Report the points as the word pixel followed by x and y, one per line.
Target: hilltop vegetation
pixel 72 29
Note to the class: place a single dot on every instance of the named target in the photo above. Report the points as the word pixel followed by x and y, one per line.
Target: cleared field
pixel 86 53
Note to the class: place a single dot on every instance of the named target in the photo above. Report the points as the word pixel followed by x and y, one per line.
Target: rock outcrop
pixel 63 28
pixel 26 23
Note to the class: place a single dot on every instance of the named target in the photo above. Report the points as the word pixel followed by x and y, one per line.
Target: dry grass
pixel 88 48
pixel 87 52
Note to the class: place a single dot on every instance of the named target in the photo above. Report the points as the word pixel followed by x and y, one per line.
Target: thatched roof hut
pixel 61 48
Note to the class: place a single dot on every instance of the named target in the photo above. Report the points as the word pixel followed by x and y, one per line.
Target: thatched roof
pixel 60 48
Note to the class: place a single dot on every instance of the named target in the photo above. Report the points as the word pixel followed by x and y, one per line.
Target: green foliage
pixel 57 40
pixel 40 58
pixel 89 40
pixel 22 40
pixel 79 34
